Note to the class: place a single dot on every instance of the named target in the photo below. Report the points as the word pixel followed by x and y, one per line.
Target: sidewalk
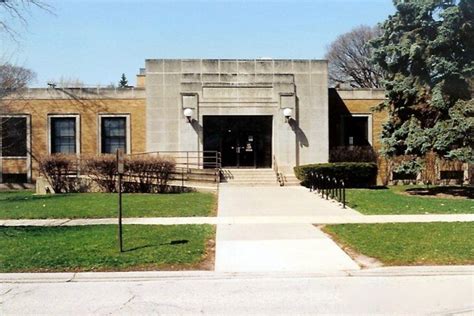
pixel 225 220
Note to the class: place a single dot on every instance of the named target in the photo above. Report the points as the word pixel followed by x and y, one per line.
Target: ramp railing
pixel 328 187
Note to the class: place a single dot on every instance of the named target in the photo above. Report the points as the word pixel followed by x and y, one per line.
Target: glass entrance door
pixel 244 141
pixel 247 154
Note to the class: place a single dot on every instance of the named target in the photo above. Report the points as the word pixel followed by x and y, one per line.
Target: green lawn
pixel 393 201
pixel 23 204
pixel 94 248
pixel 409 243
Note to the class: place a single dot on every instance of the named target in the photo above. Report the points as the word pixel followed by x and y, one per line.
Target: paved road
pixel 242 294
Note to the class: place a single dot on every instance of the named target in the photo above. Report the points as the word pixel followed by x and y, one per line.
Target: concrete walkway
pixel 288 247
pixel 278 247
pixel 294 201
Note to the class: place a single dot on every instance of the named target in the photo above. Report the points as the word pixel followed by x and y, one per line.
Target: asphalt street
pixel 240 294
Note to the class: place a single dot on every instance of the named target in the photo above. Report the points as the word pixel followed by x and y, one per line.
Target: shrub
pixel 352 154
pixel 102 170
pixel 149 174
pixel 60 171
pixel 354 174
pixel 142 174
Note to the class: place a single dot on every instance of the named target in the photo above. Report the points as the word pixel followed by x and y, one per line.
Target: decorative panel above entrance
pixel 240 92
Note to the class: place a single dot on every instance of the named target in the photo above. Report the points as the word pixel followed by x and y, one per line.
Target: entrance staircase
pixel 255 177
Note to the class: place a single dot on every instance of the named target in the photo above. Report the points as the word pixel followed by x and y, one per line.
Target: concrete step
pixel 252 184
pixel 249 174
pixel 252 176
pixel 248 170
pixel 256 177
pixel 252 181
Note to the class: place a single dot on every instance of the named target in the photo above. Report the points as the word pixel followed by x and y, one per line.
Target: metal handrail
pixel 328 187
pixel 198 159
pixel 185 161
pixel 201 158
pixel 279 175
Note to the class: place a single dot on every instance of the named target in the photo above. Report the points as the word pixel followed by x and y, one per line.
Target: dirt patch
pixel 445 192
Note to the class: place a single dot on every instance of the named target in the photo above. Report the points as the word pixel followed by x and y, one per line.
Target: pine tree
pixel 123 83
pixel 427 52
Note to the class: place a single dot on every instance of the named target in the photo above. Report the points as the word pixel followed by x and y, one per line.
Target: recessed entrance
pixel 244 141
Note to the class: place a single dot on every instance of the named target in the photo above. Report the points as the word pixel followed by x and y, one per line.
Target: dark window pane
pixel 63 135
pixel 114 134
pixel 13 133
pixel 14 178
pixel 356 131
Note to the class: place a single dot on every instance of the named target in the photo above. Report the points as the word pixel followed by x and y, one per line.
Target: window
pixel 14 136
pixel 357 130
pixel 113 134
pixel 63 135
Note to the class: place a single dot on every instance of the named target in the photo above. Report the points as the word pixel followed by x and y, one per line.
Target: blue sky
pixel 97 41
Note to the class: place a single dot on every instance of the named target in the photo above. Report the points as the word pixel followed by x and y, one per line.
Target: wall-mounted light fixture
pixel 188 113
pixel 287 112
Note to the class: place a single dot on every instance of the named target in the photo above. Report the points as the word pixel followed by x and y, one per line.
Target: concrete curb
pixel 143 276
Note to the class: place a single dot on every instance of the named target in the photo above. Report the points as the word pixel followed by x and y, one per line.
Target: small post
pixel 187 161
pixel 320 185
pixel 182 180
pixel 333 188
pixel 339 188
pixel 120 171
pixel 328 181
pixel 343 194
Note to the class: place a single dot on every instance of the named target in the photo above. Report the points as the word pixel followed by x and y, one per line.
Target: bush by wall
pixel 102 170
pixel 149 174
pixel 352 154
pixel 354 174
pixel 143 174
pixel 60 171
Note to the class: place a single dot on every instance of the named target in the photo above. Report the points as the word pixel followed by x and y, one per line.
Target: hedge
pixel 354 174
pixel 143 174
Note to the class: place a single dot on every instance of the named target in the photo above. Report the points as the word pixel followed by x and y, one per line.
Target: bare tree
pixel 349 59
pixel 13 78
pixel 16 11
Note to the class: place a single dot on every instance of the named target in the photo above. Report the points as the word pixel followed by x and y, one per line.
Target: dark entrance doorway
pixel 244 141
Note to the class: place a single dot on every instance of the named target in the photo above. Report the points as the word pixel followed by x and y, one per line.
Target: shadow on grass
pixel 171 243
pixel 453 191
pixel 375 187
pixel 16 198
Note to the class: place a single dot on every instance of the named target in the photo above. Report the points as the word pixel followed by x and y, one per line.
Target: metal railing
pixel 186 171
pixel 186 161
pixel 328 187
pixel 278 174
pixel 207 159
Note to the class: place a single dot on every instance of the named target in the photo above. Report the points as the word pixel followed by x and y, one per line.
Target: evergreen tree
pixel 427 52
pixel 123 83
